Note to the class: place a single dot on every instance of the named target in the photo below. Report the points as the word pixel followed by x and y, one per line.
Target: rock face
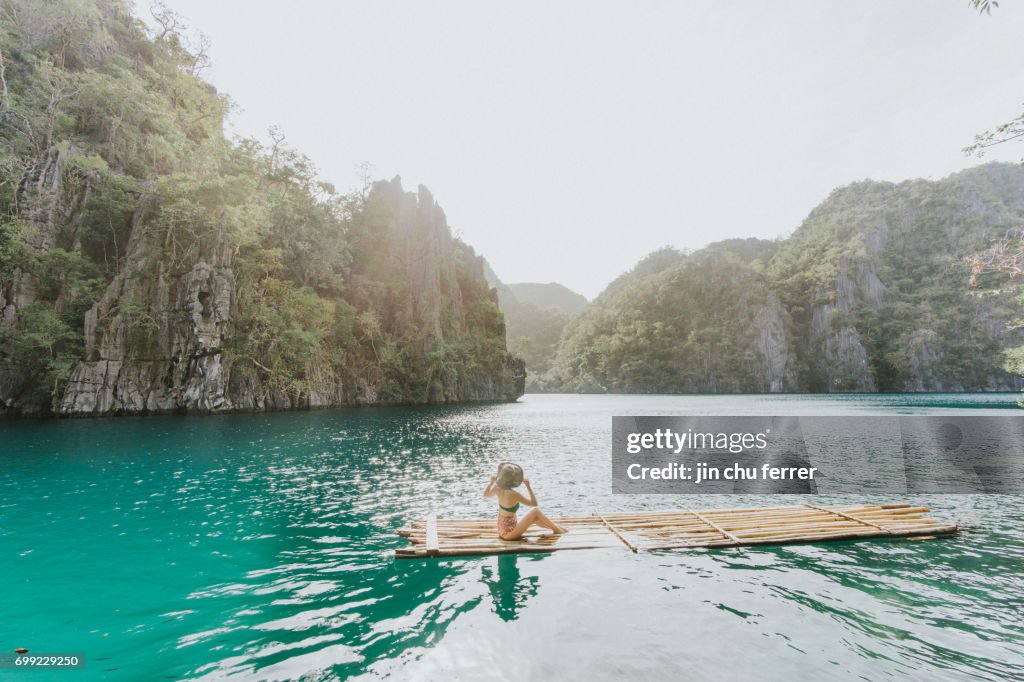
pixel 158 340
pixel 890 308
pixel 706 322
pixel 837 338
pixel 150 264
pixel 444 301
pixel 778 366
pixel 49 204
pixel 154 342
pixel 869 294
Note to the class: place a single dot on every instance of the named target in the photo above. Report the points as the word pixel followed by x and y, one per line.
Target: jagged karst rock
pixel 156 342
pixel 870 293
pixel 779 361
pixel 150 264
pixel 50 196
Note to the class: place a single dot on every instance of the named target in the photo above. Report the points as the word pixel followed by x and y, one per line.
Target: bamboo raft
pixel 687 528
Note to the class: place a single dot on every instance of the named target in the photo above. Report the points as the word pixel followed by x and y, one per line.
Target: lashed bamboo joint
pixel 652 531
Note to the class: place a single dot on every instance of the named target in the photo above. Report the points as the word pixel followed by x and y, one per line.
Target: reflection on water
pixel 509 589
pixel 259 546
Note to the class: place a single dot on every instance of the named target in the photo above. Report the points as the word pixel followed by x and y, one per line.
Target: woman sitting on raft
pixel 502 486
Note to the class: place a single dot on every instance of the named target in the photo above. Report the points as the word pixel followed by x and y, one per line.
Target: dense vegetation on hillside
pixel 148 263
pixel 535 316
pixel 533 335
pixel 552 296
pixel 869 294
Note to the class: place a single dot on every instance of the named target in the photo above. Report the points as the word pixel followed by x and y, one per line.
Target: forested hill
pixel 147 264
pixel 536 315
pixel 552 295
pixel 870 293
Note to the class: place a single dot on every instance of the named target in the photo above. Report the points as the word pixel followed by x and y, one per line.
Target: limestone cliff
pixel 154 342
pixel 706 322
pixel 870 293
pixel 158 340
pixel 161 337
pixel 148 263
pixel 777 365
pixel 836 338
pixel 50 198
pixel 876 279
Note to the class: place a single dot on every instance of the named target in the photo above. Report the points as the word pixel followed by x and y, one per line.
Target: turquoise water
pixel 256 547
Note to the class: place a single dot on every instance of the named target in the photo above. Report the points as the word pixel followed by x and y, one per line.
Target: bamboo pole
pixel 619 535
pixel 852 518
pixel 714 525
pixel 432 542
pixel 804 538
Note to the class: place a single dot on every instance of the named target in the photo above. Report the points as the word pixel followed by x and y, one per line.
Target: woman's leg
pixel 534 517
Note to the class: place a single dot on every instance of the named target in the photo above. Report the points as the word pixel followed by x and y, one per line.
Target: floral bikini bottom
pixel 506 524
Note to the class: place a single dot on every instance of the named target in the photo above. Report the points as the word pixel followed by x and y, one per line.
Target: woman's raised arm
pixel 532 502
pixel 490 491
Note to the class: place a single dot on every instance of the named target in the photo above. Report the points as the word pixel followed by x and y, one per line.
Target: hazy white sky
pixel 566 140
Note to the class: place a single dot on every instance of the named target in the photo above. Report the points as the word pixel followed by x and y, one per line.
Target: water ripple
pixel 257 547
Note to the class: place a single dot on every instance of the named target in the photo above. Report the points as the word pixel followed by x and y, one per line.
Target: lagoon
pixel 258 546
